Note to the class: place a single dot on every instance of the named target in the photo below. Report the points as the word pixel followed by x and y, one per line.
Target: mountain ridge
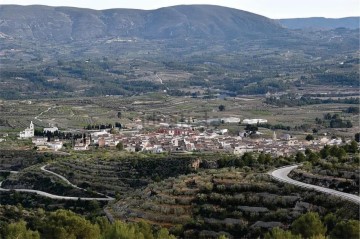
pixel 39 22
pixel 319 23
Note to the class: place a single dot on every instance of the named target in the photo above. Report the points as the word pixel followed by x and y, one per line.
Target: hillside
pixel 62 24
pixel 321 23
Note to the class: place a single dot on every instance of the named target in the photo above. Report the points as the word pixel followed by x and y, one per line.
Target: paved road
pixel 53 196
pixel 49 195
pixel 281 174
pixel 68 182
pixel 59 176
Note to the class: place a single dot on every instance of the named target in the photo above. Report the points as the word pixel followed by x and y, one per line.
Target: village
pixel 176 138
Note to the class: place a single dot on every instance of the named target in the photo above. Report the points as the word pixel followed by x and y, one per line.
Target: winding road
pixel 281 174
pixel 53 196
pixel 59 176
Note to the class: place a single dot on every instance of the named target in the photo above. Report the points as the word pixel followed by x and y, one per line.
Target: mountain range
pixel 63 51
pixel 63 24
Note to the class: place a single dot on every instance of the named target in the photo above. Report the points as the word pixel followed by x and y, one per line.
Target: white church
pixel 28 132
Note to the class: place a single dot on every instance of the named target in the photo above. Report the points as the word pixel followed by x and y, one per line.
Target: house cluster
pixel 40 142
pixel 185 139
pixel 43 144
pixel 167 139
pixel 182 138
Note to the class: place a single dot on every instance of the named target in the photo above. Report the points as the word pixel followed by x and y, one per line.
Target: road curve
pixel 281 174
pixel 68 182
pixel 53 196
pixel 59 176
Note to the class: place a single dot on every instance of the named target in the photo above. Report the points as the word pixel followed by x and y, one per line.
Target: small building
pixel 39 141
pixel 81 147
pixel 55 145
pixel 240 150
pixel 286 137
pixel 130 148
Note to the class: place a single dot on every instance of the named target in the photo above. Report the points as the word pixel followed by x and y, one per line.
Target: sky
pixel 270 8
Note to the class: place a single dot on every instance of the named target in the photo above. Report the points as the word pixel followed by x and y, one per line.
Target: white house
pixel 240 150
pixel 28 132
pixel 222 131
pixel 55 145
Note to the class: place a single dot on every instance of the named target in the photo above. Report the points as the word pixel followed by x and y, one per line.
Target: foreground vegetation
pixel 64 224
pixel 227 196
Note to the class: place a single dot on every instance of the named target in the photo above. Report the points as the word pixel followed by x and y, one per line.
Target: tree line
pixel 292 100
pixel 64 224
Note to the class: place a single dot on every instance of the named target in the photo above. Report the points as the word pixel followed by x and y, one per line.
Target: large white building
pixel 254 121
pixel 51 129
pixel 230 120
pixel 28 132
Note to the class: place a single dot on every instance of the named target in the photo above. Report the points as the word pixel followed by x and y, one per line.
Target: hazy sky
pixel 268 8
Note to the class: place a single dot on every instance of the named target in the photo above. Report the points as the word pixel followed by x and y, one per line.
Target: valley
pixel 190 121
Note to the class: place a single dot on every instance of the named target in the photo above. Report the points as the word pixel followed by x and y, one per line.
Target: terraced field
pixel 120 176
pixel 225 201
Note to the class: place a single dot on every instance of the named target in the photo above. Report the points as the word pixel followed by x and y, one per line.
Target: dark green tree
pixel 330 221
pixel 308 225
pixel 353 147
pixel 357 137
pixel 300 157
pixel 346 229
pixel 324 152
pixel 309 137
pixel 120 146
